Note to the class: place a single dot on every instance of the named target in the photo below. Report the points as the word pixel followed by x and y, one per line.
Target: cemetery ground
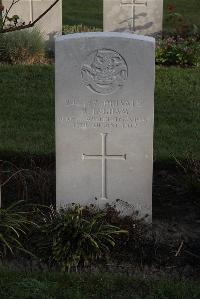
pixel 28 142
pixel 156 262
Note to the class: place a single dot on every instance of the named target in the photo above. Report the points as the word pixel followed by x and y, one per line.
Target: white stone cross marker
pixel 133 4
pixel 103 157
pixel 136 16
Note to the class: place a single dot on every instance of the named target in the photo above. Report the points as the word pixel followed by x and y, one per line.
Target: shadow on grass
pixel 33 178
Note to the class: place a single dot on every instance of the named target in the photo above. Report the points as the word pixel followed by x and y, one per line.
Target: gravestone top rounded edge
pixel 104 35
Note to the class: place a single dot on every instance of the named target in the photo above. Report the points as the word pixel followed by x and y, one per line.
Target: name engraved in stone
pixel 91 113
pixel 106 107
pixel 106 102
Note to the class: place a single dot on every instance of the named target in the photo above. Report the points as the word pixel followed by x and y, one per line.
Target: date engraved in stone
pixel 104 71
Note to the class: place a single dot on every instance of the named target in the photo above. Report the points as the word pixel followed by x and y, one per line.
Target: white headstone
pixel 28 10
pixel 138 16
pixel 104 119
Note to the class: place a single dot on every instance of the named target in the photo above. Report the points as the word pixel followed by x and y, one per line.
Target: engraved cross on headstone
pixel 133 4
pixel 103 157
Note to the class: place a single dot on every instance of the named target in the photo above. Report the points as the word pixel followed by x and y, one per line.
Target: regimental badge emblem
pixel 104 71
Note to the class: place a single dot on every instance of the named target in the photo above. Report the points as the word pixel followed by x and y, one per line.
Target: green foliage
pixel 189 11
pixel 23 47
pixel 79 28
pixel 180 24
pixel 178 51
pixel 13 224
pixel 77 239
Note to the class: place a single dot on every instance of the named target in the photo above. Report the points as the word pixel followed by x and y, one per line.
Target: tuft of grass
pixel 13 225
pixel 23 47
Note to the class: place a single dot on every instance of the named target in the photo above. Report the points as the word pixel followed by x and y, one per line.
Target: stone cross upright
pixel 103 157
pixel 133 4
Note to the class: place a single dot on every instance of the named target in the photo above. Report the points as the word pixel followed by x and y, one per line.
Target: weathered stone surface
pixel 28 10
pixel 104 119
pixel 137 16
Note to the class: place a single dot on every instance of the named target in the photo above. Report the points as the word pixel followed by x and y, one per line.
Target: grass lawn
pixel 43 285
pixel 90 12
pixel 27 111
pixel 177 113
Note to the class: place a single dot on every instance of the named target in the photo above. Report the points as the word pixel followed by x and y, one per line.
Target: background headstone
pixel 28 10
pixel 138 16
pixel 104 119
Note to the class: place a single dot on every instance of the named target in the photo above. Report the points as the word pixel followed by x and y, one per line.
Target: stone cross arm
pixel 103 157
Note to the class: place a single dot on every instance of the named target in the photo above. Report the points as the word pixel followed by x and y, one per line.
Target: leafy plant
pixel 13 225
pixel 178 51
pixel 78 239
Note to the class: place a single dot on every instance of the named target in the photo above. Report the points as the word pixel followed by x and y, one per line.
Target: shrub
pixel 23 47
pixel 67 29
pixel 178 51
pixel 77 239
